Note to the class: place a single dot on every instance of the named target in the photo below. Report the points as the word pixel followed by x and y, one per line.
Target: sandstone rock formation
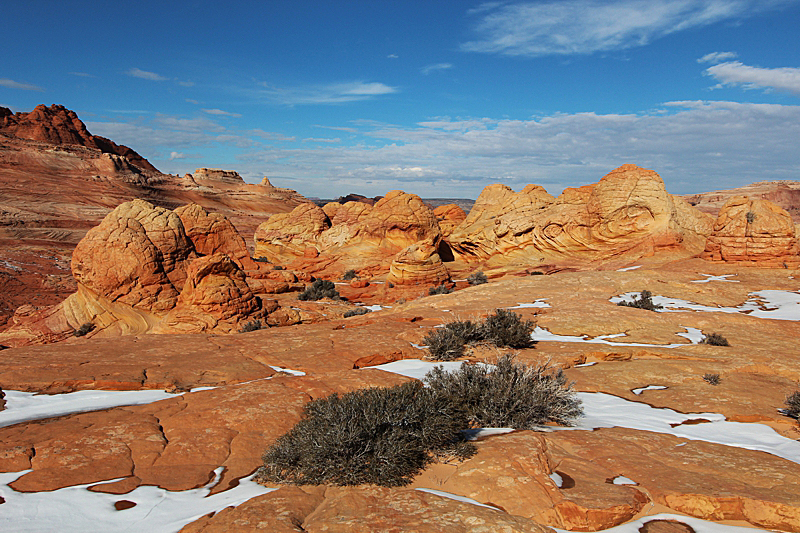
pixel 784 194
pixel 213 233
pixel 627 215
pixel 449 217
pixel 58 125
pixel 753 231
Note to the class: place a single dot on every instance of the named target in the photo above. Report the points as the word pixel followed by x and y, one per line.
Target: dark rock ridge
pixel 58 125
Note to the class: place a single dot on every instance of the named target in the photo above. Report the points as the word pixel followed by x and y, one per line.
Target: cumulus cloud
pixel 587 26
pixel 221 113
pixel 433 68
pixel 717 57
pixel 145 75
pixel 11 84
pixel 334 93
pixel 733 73
pixel 177 155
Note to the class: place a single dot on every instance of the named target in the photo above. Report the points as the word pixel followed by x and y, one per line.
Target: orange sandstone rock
pixel 213 233
pixel 449 217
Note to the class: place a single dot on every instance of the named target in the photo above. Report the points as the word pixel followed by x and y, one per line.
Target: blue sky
pixel 436 98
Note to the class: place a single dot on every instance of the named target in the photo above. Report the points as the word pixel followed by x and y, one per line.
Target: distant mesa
pixel 58 125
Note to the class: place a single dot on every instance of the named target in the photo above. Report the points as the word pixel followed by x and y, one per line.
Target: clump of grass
pixel 644 301
pixel 319 289
pixel 477 278
pixel 715 339
pixel 84 329
pixel 503 328
pixel 252 325
pixel 349 275
pixel 793 405
pixel 440 289
pixel 356 312
pixel 509 395
pixel 712 379
pixel 382 436
pixel 750 216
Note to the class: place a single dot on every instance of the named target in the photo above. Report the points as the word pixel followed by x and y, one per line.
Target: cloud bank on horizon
pixel 438 100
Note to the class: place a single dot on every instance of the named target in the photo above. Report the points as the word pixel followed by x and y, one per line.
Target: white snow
pixel 557 479
pixel 477 433
pixel 774 304
pixel 540 334
pixel 76 509
pixel 287 371
pixel 649 387
pixel 712 277
pixel 25 406
pixel 539 303
pixel 622 480
pixel 626 269
pixel 586 364
pixel 416 368
pixel 457 498
pixel 700 526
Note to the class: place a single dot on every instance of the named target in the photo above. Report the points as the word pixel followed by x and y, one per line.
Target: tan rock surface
pixel 753 231
pixel 449 216
pixel 213 233
pixel 419 264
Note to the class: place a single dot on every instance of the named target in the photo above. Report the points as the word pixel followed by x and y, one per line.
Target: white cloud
pixel 186 83
pixel 735 73
pixel 717 57
pixel 393 56
pixel 319 140
pixel 587 26
pixel 83 74
pixel 177 155
pixel 438 66
pixel 337 128
pixel 191 101
pixel 187 124
pixel 335 93
pixel 220 112
pixel 145 75
pixel 11 84
pixel 271 136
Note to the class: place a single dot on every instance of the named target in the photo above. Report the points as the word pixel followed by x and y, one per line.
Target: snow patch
pixel 457 498
pixel 774 304
pixel 712 277
pixel 622 480
pixel 540 334
pixel 700 526
pixel 557 479
pixel 639 391
pixel 287 370
pixel 539 303
pixel 626 269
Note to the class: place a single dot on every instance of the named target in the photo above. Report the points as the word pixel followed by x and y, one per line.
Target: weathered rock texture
pixel 627 215
pixel 399 229
pixel 784 193
pixel 753 231
pixel 449 217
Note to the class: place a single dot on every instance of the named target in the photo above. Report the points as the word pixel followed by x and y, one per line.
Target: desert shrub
pixel 444 344
pixel 261 259
pixel 477 278
pixel 252 325
pixel 506 328
pixel 383 436
pixel 509 395
pixel 793 405
pixel 319 289
pixel 84 329
pixel 467 330
pixel 441 289
pixel 356 312
pixel 713 379
pixel 750 216
pixel 349 275
pixel 645 301
pixel 715 339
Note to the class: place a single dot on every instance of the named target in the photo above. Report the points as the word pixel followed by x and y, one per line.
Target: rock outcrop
pixel 753 231
pixel 449 216
pixel 213 233
pixel 625 216
pixel 58 125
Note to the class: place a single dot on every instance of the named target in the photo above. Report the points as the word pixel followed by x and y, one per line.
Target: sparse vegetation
pixel 252 325
pixel 750 216
pixel 477 278
pixel 504 328
pixel 356 312
pixel 382 436
pixel 261 259
pixel 441 289
pixel 318 290
pixel 277 267
pixel 349 275
pixel 712 379
pixel 644 301
pixel 509 395
pixel 85 328
pixel 715 339
pixel 793 405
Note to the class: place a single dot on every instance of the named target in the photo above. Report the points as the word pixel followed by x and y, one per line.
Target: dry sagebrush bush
pixel 318 290
pixel 382 436
pixel 644 301
pixel 508 395
pixel 503 328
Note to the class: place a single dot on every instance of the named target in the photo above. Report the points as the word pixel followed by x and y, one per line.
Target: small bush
pixel 750 216
pixel 320 289
pixel 444 344
pixel 506 328
pixel 84 329
pixel 477 278
pixel 349 275
pixel 713 379
pixel 253 325
pixel 715 339
pixel 645 301
pixel 383 436
pixel 793 405
pixel 441 289
pixel 510 395
pixel 356 312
